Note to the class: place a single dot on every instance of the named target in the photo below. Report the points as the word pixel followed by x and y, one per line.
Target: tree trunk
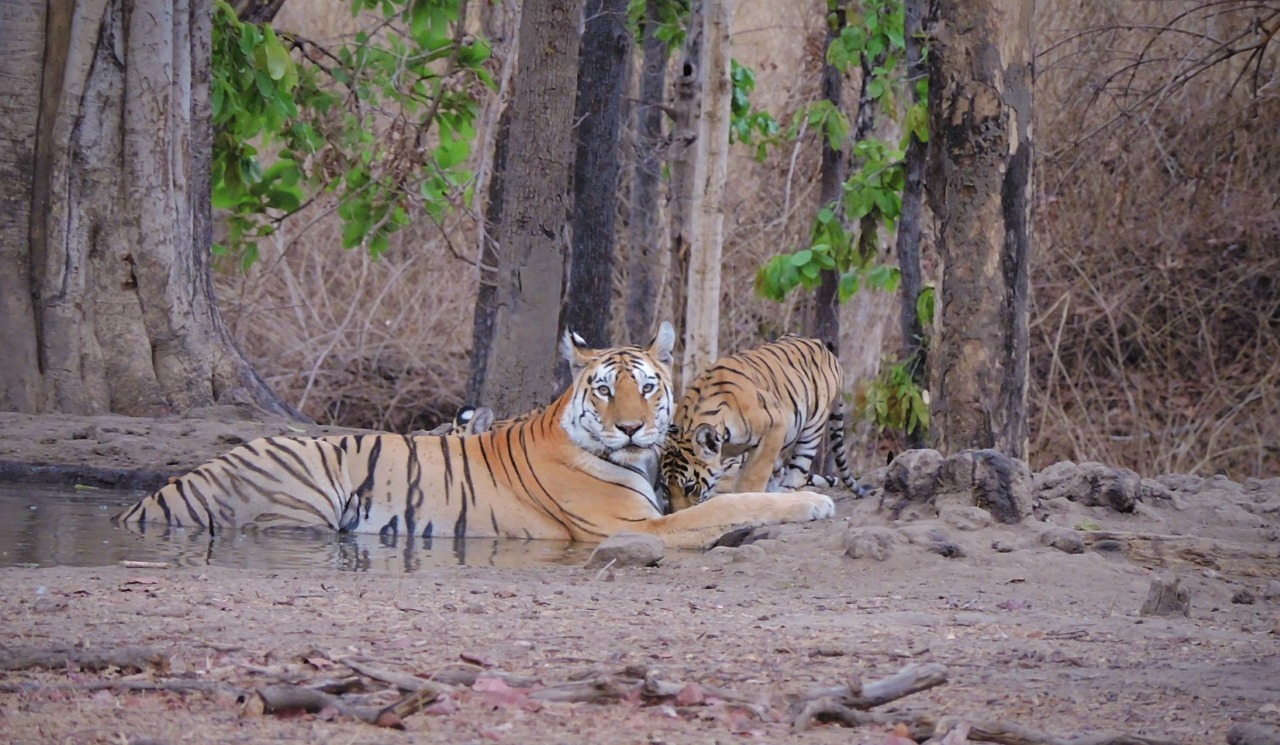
pixel 645 270
pixel 686 108
pixel 606 47
pixel 706 215
pixel 532 241
pixel 915 347
pixel 980 80
pixel 826 306
pixel 107 290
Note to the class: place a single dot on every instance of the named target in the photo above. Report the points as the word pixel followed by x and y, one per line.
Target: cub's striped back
pixel 762 410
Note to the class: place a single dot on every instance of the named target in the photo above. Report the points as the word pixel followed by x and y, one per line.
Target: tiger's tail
pixel 835 436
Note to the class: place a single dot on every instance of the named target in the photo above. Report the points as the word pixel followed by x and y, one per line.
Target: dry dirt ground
pixel 1028 634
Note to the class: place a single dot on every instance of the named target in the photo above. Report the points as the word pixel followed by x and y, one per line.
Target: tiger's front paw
pixel 813 506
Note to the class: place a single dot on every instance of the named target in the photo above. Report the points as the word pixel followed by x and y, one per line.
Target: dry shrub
pixel 1157 274
pixel 351 340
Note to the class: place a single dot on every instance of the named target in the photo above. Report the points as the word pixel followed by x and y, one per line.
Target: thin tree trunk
pixel 645 268
pixel 710 165
pixel 831 174
pixel 119 301
pixel 602 67
pixel 980 83
pixel 532 241
pixel 915 347
pixel 686 108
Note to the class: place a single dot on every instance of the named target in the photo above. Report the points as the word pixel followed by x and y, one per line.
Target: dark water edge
pixel 44 525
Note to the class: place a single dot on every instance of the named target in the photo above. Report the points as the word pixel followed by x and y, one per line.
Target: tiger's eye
pixel 602 391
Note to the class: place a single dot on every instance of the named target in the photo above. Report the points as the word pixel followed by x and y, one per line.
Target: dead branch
pixel 593 690
pixel 403 681
pixel 284 698
pixel 910 679
pixel 127 659
pixel 172 686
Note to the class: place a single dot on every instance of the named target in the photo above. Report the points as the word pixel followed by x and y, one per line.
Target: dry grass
pixel 1156 273
pixel 1157 279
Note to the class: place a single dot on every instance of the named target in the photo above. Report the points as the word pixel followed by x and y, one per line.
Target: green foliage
pixel 894 401
pixel 673 17
pixel 384 122
pixel 745 123
pixel 872 39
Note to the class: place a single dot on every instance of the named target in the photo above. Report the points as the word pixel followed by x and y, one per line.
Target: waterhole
pixel 43 526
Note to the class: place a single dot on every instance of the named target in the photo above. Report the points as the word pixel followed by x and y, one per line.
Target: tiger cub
pixel 762 410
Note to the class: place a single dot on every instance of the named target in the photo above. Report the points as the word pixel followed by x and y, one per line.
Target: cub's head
pixel 693 462
pixel 621 398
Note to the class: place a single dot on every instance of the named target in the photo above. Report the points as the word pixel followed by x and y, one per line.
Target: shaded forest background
pixel 1155 322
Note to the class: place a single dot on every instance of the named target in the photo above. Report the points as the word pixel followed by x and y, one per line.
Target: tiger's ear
pixel 481 421
pixel 708 439
pixel 663 343
pixel 575 351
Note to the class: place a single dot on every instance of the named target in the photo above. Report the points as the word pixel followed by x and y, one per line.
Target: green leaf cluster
pixel 745 122
pixel 382 123
pixel 673 17
pixel 893 401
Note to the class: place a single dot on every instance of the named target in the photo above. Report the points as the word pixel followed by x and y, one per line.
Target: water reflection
pixel 50 526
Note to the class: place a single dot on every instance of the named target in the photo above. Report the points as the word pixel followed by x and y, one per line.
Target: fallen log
pixel 127 659
pixel 1168 550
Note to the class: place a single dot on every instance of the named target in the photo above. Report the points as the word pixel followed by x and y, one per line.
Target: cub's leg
pixel 757 468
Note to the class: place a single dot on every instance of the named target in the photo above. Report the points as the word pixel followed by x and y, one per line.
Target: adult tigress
pixel 546 477
pixel 763 410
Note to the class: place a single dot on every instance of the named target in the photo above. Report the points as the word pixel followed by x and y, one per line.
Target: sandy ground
pixel 1028 634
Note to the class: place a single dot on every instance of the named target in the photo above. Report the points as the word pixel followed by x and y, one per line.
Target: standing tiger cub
pixel 551 475
pixel 763 409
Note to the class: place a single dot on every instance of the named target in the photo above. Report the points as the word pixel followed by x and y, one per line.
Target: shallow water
pixel 45 526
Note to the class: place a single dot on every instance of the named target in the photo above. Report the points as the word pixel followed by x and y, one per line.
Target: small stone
pixel 1067 541
pixel 627 550
pixel 1272 593
pixel 962 517
pixel 1243 597
pixel 871 542
pixel 749 552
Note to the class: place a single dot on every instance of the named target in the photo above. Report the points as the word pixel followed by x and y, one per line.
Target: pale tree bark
pixel 980 83
pixel 107 291
pixel 686 108
pixel 647 266
pixel 602 69
pixel 532 235
pixel 706 214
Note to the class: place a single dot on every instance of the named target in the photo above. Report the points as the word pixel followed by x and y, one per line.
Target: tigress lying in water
pixel 763 410
pixel 546 477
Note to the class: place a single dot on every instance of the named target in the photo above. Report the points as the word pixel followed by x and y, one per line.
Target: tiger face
pixel 693 462
pixel 622 398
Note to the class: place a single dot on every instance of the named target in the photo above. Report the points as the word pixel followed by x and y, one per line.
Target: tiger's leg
pixel 701 524
pixel 759 462
pixel 795 474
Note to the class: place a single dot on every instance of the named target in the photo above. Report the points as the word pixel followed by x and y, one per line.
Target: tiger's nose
pixel 629 429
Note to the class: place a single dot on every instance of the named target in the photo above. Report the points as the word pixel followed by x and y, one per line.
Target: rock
pixel 746 553
pixel 911 477
pixel 935 540
pixel 1167 598
pixel 1006 546
pixel 1243 597
pixel 627 550
pixel 961 517
pixel 988 479
pixel 1063 539
pixel 871 542
pixel 1253 733
pixel 919 482
pixel 1091 484
pixel 743 536
pixel 1272 593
